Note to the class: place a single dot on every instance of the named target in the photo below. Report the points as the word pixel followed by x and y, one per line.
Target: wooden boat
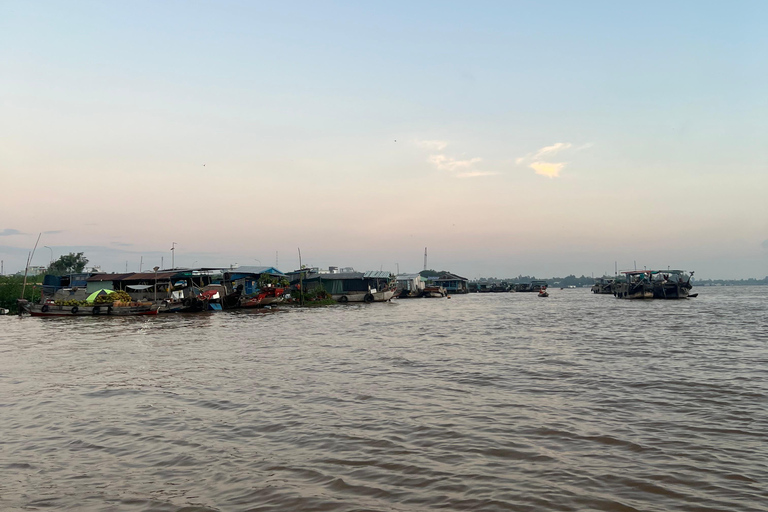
pixel 603 286
pixel 636 285
pixel 123 309
pixel 671 284
pixel 265 297
pixel 434 292
pixel 543 292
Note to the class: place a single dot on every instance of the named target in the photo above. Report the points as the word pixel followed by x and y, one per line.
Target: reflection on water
pixel 480 402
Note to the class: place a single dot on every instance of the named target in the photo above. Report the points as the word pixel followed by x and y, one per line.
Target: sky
pixel 538 138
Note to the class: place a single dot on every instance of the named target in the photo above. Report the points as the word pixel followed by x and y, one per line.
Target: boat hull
pixel 39 310
pixel 642 290
pixel 669 290
pixel 364 296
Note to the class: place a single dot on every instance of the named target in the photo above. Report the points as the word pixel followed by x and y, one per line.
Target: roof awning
pixel 139 286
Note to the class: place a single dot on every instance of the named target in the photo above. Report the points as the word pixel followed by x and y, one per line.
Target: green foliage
pixel 68 264
pixel 432 273
pixel 10 290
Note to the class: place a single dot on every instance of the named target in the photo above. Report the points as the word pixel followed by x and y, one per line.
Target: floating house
pixel 410 285
pixel 452 283
pixel 373 286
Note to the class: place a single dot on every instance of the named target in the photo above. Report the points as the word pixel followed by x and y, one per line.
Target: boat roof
pixel 254 269
pixel 349 275
pixel 672 271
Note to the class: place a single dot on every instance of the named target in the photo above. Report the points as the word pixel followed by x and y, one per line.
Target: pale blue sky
pixel 532 137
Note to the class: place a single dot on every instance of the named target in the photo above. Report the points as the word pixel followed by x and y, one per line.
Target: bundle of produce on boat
pixel 115 296
pixel 71 302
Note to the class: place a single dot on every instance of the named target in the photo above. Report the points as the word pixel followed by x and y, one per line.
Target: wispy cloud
pixel 432 145
pixel 447 163
pixel 551 150
pixel 11 232
pixel 460 167
pixel 52 232
pixel 476 174
pixel 539 160
pixel 121 244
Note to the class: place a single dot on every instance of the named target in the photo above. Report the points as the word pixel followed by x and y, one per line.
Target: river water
pixel 478 402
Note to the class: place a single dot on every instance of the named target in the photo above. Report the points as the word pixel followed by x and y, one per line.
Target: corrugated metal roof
pixel 253 269
pixel 378 274
pixel 134 276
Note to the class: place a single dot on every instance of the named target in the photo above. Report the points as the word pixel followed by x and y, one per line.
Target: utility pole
pixel 173 255
pixel 425 258
pixel 301 281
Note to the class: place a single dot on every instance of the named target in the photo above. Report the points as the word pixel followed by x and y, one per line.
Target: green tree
pixel 68 264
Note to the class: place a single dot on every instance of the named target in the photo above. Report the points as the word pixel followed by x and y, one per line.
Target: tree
pixel 68 264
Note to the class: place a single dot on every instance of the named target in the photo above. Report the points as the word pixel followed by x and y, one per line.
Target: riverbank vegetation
pixel 11 288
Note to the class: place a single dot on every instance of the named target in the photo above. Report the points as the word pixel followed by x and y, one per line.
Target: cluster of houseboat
pixel 647 284
pixel 206 289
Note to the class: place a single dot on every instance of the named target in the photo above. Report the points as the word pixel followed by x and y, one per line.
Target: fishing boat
pixel 543 292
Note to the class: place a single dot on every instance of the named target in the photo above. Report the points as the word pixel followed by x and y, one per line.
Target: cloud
pixel 551 150
pixel 432 145
pixel 52 232
pixel 10 232
pixel 550 170
pixel 476 174
pixel 538 159
pixel 447 163
pixel 121 244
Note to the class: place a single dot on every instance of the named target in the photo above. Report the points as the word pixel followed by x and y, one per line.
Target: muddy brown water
pixel 479 402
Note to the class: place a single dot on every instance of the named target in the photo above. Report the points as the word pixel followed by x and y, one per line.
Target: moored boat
pixel 128 309
pixel 343 287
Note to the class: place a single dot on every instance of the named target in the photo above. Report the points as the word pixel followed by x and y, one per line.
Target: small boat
pixel 543 292
pixel 434 292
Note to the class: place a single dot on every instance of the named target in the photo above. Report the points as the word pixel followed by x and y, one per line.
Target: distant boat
pixel 543 292
pixel 603 286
